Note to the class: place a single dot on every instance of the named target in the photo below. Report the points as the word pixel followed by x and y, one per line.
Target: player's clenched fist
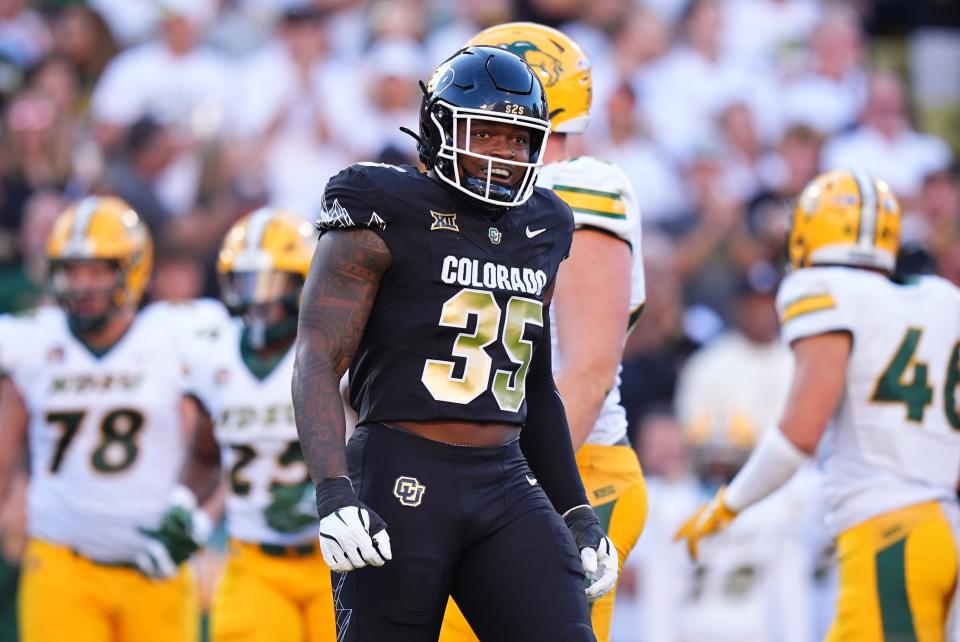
pixel 351 534
pixel 597 553
pixel 710 518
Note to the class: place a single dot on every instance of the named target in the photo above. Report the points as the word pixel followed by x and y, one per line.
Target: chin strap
pixel 410 133
pixel 500 192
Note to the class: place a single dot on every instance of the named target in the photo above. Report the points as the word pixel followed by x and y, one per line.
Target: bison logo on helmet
pixel 546 66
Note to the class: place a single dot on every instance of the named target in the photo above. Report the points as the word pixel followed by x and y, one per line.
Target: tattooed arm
pixel 337 298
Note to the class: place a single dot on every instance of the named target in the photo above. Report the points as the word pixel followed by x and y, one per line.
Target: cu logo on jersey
pixel 409 491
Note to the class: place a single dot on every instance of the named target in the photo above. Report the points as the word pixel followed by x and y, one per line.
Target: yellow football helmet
pixel 260 254
pixel 845 218
pixel 561 64
pixel 103 228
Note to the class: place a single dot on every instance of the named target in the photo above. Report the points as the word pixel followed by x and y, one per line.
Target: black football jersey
pixel 459 312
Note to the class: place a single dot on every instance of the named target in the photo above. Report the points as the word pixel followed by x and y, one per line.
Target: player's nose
pixel 501 148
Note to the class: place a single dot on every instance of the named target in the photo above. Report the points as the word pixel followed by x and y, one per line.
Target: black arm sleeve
pixel 545 438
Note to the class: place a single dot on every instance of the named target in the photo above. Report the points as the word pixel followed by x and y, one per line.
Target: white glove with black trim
pixel 351 534
pixel 597 553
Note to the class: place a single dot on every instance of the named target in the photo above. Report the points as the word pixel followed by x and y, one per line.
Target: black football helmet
pixel 482 83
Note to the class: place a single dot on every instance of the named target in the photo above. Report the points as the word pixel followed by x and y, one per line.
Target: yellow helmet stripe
pixel 868 209
pixel 82 218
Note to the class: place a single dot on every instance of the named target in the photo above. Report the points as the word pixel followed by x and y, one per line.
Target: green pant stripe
pixel 604 513
pixel 892 590
pixel 8 601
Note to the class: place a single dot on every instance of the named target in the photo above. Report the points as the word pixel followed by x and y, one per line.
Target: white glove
pixel 346 542
pixel 600 565
pixel 351 534
pixel 597 553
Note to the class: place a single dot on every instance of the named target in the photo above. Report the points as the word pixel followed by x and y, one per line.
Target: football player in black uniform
pixel 434 289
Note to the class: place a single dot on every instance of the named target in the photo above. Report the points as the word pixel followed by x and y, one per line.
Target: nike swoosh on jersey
pixel 531 480
pixel 533 233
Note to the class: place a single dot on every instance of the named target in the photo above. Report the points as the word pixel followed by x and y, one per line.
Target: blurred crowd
pixel 198 111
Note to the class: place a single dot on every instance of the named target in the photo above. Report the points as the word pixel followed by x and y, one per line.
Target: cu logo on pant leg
pixel 409 491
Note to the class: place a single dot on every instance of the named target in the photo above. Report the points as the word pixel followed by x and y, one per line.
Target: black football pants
pixel 467 522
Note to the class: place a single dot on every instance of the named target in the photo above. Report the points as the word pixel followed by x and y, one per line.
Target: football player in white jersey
pixel 96 387
pixel 276 587
pixel 877 370
pixel 599 296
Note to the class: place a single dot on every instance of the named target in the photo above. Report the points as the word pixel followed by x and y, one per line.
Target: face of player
pixel 87 287
pixel 499 140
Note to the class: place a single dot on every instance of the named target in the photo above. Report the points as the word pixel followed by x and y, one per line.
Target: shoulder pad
pixel 599 194
pixel 947 287
pixel 814 301
pixel 22 332
pixel 352 197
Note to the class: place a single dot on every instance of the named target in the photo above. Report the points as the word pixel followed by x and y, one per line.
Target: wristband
pixel 334 493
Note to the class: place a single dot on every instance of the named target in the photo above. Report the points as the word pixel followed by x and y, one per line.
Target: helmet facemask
pixel 447 118
pixel 74 299
pixel 267 301
pixel 483 85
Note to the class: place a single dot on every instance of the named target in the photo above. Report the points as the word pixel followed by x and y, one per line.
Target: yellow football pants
pixel 616 489
pixel 64 596
pixel 898 573
pixel 275 597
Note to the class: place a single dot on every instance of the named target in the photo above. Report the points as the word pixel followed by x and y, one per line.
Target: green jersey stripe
pixel 584 190
pixel 583 210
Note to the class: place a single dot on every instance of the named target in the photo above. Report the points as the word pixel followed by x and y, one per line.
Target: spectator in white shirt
pixel 691 85
pixel 886 145
pixel 734 388
pixel 285 127
pixel 636 43
pixel 389 97
pixel 757 33
pixel 174 80
pixel 829 95
pixel 595 29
